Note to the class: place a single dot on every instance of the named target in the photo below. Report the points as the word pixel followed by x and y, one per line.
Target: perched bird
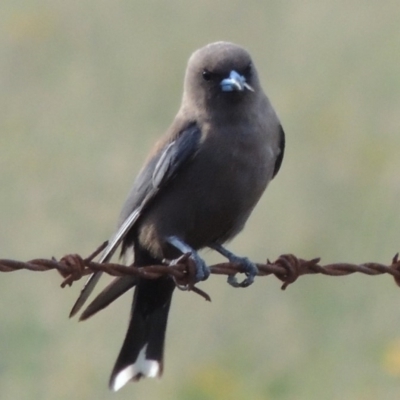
pixel 196 189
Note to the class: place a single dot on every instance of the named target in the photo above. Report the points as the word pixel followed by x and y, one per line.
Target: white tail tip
pixel 142 367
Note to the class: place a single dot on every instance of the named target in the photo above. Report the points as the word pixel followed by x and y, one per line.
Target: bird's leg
pixel 250 268
pixel 202 271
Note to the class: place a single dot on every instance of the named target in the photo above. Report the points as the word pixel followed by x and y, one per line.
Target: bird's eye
pixel 207 75
pixel 248 70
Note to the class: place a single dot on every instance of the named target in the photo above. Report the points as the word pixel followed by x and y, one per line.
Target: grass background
pixel 87 86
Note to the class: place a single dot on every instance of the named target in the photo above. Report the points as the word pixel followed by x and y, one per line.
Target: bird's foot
pixel 248 267
pixel 202 272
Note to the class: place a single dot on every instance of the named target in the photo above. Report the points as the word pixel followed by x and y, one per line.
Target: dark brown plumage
pixel 196 189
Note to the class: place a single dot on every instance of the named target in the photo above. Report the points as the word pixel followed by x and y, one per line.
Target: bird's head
pixel 220 73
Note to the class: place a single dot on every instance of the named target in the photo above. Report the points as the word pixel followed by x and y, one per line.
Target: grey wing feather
pixel 107 254
pixel 110 293
pixel 157 173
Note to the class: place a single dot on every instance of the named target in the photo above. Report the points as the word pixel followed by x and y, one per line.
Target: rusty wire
pixel 288 268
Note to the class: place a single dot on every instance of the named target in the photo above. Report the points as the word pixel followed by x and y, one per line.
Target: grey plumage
pixel 196 189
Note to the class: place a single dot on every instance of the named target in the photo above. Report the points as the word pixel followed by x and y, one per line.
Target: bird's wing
pixel 158 172
pixel 111 292
pixel 278 161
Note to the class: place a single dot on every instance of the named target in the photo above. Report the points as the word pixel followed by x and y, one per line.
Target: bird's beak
pixel 235 82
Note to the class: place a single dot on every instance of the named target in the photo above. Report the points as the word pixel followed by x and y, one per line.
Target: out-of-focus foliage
pixel 87 86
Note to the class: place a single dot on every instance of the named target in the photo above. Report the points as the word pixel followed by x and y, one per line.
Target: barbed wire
pixel 287 268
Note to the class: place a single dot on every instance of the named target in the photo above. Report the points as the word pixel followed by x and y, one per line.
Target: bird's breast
pixel 211 198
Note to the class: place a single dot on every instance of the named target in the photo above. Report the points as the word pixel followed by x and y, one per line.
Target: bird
pixel 196 190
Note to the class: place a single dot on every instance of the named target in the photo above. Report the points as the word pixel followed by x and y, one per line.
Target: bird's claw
pixel 202 271
pixel 196 264
pixel 250 269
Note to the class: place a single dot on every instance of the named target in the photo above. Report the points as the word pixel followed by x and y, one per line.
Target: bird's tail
pixel 143 348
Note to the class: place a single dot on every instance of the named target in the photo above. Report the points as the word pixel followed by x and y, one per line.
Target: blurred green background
pixel 87 86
